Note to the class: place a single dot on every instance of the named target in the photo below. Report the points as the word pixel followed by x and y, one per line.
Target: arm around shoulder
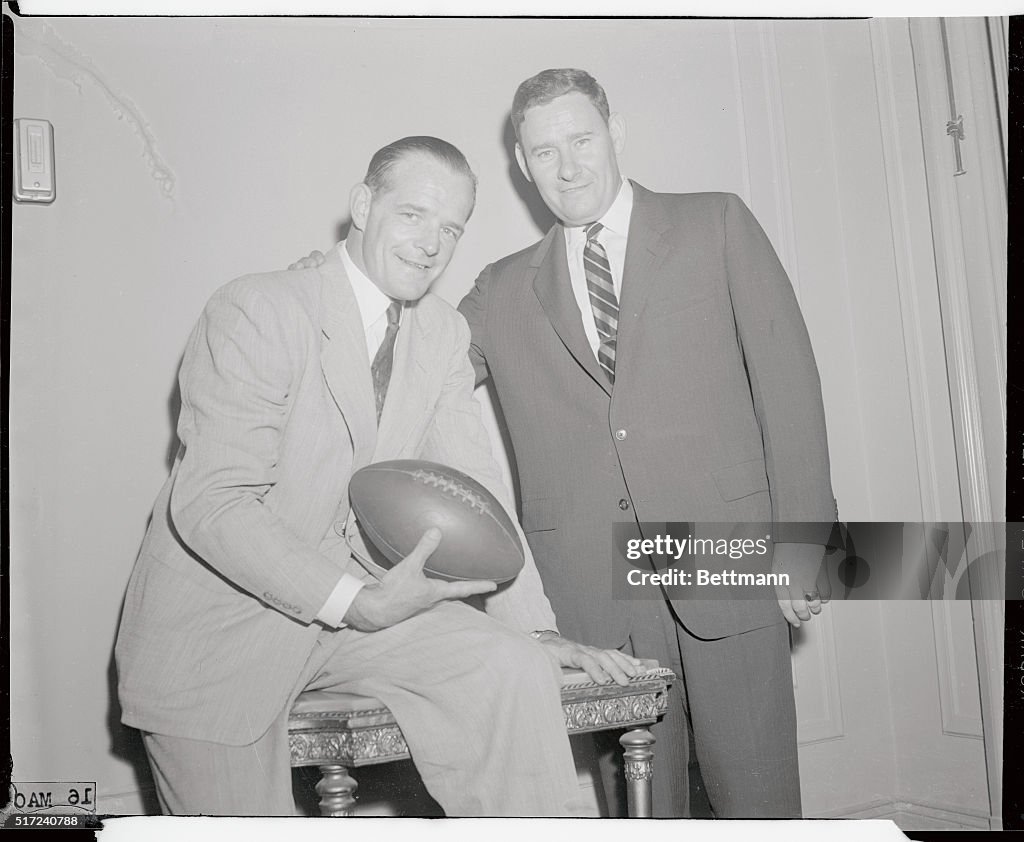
pixel 473 308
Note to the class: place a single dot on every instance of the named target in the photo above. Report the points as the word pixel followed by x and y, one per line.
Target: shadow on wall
pixel 527 193
pixel 342 231
pixel 173 410
pixel 126 743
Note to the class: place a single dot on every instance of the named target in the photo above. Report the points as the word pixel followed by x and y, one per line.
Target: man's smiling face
pixel 411 225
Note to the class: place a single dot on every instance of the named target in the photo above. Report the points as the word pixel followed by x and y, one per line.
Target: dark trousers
pixel 732 711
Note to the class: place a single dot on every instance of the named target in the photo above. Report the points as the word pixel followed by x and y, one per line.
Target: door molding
pixel 969 218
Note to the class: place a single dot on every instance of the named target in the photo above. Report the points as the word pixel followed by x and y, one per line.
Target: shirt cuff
pixel 334 609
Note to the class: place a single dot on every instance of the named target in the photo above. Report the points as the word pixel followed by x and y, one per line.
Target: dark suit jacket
pixel 716 389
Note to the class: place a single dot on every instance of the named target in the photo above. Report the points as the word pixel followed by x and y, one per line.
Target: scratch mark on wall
pixel 67 63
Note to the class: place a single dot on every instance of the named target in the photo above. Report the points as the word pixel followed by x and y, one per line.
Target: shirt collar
pixel 373 303
pixel 616 218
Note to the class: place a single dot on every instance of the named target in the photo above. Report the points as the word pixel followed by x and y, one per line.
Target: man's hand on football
pixel 404 591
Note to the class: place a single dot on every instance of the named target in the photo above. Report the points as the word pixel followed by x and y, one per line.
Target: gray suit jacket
pixel 277 413
pixel 716 392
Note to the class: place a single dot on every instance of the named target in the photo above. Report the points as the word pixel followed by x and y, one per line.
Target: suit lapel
pixel 554 290
pixel 648 245
pixel 344 360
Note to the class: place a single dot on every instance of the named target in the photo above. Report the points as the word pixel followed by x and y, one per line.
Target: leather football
pixel 396 502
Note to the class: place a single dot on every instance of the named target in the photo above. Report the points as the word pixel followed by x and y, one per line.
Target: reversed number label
pixel 33 796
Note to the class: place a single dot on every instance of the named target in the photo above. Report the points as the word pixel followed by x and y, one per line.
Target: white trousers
pixel 478 703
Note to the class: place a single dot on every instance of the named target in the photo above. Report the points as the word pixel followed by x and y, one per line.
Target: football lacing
pixel 453 487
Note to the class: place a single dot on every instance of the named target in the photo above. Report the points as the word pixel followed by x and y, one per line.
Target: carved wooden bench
pixel 342 731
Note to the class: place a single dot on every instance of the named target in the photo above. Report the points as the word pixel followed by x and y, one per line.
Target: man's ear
pixel 521 160
pixel 617 130
pixel 359 201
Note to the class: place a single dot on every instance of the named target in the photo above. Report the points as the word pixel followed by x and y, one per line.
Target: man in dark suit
pixel 654 366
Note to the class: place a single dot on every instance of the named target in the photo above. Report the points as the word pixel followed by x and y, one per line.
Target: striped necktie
pixel 381 367
pixel 602 298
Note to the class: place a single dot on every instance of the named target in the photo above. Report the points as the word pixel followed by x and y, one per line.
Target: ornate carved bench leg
pixel 336 789
pixel 638 745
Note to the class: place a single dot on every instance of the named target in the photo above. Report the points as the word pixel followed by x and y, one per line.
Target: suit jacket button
pixel 624 504
pixel 620 434
pixel 339 528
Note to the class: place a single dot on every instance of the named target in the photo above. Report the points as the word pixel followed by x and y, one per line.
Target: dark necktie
pixel 598 272
pixel 381 367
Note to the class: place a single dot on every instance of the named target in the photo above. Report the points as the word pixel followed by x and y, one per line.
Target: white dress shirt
pixel 373 311
pixel 613 238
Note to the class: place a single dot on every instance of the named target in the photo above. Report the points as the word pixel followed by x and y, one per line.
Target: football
pixel 396 502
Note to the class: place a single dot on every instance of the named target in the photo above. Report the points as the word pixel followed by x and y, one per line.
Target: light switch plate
pixel 34 178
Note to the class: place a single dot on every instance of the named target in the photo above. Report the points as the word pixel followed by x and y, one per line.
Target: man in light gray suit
pixel 244 592
pixel 652 365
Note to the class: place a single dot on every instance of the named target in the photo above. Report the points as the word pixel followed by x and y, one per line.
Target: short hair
pixel 551 84
pixel 378 172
